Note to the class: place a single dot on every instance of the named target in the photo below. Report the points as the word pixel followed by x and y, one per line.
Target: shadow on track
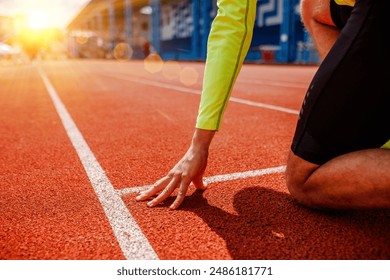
pixel 270 225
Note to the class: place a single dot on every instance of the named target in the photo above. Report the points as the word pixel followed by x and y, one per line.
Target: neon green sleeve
pixel 228 43
pixel 386 145
pixel 346 2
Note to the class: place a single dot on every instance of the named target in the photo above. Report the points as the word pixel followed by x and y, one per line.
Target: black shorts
pixel 339 13
pixel 347 105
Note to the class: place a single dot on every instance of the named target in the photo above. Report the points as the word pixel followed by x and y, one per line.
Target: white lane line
pixel 217 178
pixel 264 105
pixel 274 83
pixel 246 174
pixel 199 92
pixel 132 241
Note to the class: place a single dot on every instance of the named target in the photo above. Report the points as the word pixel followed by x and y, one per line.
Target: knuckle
pixel 173 174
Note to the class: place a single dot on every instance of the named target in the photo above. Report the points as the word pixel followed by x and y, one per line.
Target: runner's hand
pixel 189 169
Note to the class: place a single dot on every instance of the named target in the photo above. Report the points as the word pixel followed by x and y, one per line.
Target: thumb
pixel 198 183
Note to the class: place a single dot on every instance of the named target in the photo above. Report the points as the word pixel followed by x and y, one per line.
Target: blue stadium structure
pixel 178 29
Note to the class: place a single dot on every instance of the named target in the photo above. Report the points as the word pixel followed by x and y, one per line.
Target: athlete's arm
pixel 228 44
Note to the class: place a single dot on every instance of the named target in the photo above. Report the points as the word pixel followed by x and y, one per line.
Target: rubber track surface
pixel 138 124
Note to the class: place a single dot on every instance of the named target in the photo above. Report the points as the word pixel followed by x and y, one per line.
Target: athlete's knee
pixel 315 12
pixel 298 173
pixel 306 12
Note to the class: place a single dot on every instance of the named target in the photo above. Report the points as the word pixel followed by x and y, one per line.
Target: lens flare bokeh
pixel 153 63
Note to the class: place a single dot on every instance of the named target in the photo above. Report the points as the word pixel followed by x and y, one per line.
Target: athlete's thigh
pixel 347 104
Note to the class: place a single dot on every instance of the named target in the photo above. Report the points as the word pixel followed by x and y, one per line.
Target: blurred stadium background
pixel 172 29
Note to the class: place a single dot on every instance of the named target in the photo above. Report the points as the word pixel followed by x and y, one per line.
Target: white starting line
pixel 217 178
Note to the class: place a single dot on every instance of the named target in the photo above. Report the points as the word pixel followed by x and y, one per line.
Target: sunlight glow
pixel 38 20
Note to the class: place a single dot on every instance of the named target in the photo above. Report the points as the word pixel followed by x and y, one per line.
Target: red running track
pixel 137 124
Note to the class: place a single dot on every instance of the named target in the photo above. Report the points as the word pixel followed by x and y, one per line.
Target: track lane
pixel 257 219
pixel 148 128
pixel 131 240
pixel 275 85
pixel 132 118
pixel 48 208
pixel 137 133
